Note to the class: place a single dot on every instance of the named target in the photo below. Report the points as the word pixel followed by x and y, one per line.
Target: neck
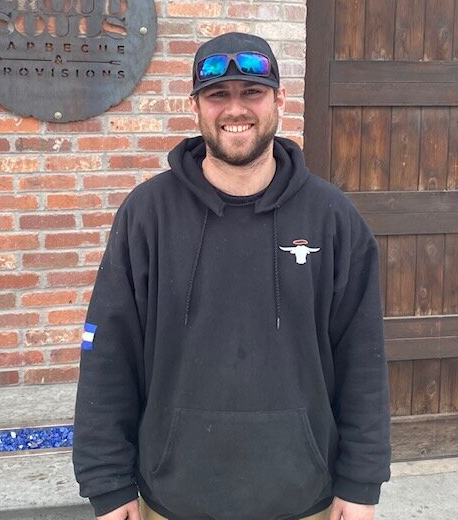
pixel 240 180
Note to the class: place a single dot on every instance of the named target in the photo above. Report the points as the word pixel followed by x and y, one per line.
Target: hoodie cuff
pixel 108 502
pixel 356 492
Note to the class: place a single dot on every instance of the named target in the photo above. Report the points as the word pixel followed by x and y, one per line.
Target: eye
pixel 215 94
pixel 253 92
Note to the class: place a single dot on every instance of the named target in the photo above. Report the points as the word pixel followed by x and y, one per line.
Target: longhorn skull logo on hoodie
pixel 300 251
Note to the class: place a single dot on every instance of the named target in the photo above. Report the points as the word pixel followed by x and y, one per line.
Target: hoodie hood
pixel 291 174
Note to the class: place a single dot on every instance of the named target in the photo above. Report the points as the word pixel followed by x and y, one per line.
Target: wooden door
pixel 382 123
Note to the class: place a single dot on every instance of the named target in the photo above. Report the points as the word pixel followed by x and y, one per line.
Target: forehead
pixel 234 85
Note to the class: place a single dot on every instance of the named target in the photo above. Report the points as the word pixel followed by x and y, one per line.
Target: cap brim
pixel 237 77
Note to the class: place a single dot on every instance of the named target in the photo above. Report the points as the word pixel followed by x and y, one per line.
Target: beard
pixel 240 157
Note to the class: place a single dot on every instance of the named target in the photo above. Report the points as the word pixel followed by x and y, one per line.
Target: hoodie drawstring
pixel 277 273
pixel 194 268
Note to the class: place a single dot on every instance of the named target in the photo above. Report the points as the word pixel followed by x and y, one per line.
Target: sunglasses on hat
pixel 216 65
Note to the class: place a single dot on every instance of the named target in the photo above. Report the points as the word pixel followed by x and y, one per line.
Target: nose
pixel 235 106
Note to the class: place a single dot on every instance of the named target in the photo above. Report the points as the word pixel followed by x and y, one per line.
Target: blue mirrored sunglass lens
pixel 250 63
pixel 213 66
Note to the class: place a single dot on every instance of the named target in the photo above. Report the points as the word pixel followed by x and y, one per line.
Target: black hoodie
pixel 233 366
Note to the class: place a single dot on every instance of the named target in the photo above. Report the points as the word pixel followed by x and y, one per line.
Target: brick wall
pixel 60 184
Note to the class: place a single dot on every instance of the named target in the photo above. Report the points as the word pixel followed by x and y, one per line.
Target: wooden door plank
pixel 430 274
pixel 424 436
pixel 349 29
pixel 400 375
pixel 320 50
pixel 451 275
pixel 375 149
pixel 421 327
pixel 405 148
pixel 449 386
pixel 425 386
pixel 422 348
pixel 409 33
pixel 439 30
pixel 403 202
pixel 346 148
pixel 434 149
pixel 452 175
pixel 383 260
pixel 400 299
pixel 379 30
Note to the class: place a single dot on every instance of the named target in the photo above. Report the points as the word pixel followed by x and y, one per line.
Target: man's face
pixel 238 120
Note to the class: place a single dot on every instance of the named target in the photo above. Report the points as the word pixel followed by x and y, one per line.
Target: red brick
pixel 48 182
pixel 4 145
pixel 182 124
pixel 124 162
pixel 170 67
pixel 116 199
pixel 11 359
pixel 124 106
pixel 7 300
pixel 6 222
pixel 294 87
pixel 9 339
pixel 292 124
pixel 87 297
pixel 161 143
pixel 71 279
pixel 33 357
pixel 294 13
pixel 59 221
pixel 194 9
pixel 8 262
pixel 93 257
pixel 17 125
pixel 19 164
pixel 34 338
pixel 254 12
pixel 148 86
pixel 77 201
pixel 9 378
pixel 18 281
pixel 294 50
pixel 77 127
pixel 180 87
pixel 166 106
pixel 17 242
pixel 66 317
pixel 65 355
pixel 104 143
pixel 210 30
pixel 49 298
pixel 49 260
pixel 76 239
pixel 79 163
pixel 51 375
pixel 22 202
pixel 295 106
pixel 6 183
pixel 91 220
pixel 183 47
pixel 135 124
pixel 166 28
pixel 41 144
pixel 109 181
pixel 25 319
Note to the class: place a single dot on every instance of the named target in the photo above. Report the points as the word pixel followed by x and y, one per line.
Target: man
pixel 233 365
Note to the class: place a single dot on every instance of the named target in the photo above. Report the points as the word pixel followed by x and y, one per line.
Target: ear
pixel 195 108
pixel 281 101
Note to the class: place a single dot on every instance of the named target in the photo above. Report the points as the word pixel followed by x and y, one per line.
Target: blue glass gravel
pixel 36 438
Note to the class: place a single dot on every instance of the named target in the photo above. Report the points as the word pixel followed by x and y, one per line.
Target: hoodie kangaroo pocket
pixel 240 465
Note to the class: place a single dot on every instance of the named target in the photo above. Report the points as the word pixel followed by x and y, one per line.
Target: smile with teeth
pixel 236 128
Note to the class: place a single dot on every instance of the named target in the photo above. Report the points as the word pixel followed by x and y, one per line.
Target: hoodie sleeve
pixel 361 396
pixel 110 389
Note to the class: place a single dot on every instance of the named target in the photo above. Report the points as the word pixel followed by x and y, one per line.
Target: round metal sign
pixel 67 60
